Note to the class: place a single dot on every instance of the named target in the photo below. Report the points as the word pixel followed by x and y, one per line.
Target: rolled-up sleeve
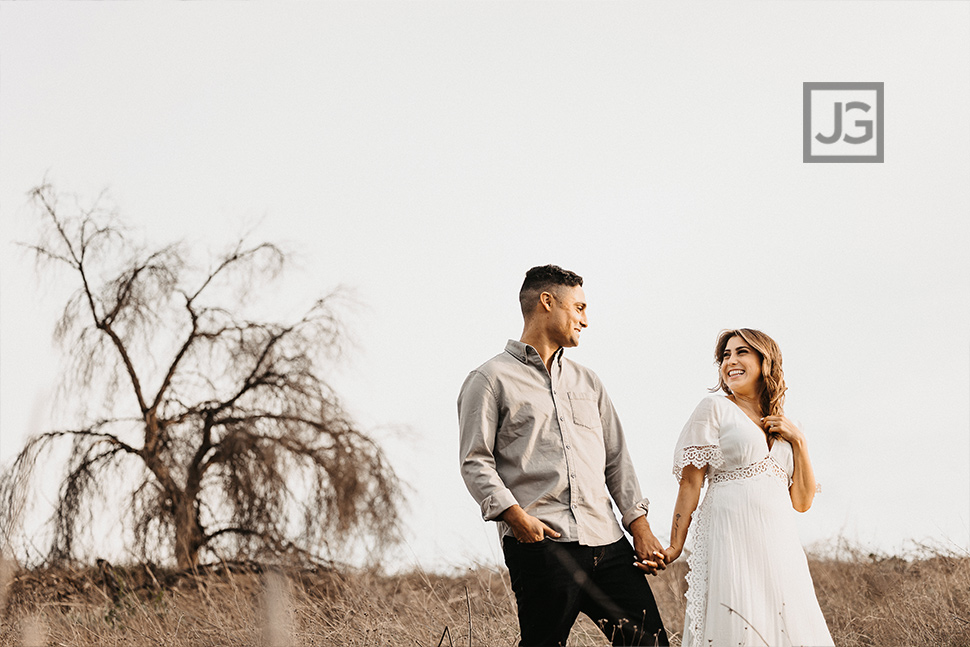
pixel 621 478
pixel 478 426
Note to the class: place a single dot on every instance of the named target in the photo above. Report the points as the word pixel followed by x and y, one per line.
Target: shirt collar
pixel 523 352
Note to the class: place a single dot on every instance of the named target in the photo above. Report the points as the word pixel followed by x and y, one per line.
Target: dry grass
pixel 867 600
pixel 885 600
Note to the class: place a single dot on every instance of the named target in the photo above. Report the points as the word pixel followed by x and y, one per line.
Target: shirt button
pixel 561 418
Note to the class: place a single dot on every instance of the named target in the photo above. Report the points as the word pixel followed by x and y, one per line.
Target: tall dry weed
pixel 278 605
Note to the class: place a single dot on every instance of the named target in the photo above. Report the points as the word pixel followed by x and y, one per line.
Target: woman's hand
pixel 803 485
pixel 782 427
pixel 671 553
pixel 691 482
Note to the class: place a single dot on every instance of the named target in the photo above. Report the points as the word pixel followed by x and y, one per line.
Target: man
pixel 542 452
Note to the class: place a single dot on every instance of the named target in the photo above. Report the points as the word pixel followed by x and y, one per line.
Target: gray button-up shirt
pixel 550 442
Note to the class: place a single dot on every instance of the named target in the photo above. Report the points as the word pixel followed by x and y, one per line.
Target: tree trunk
pixel 188 532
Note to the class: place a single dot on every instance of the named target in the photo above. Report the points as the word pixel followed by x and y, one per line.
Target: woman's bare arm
pixel 802 490
pixel 691 482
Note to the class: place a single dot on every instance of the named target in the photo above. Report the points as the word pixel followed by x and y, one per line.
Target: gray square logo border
pixel 808 87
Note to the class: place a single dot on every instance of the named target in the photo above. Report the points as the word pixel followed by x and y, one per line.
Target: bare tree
pixel 237 440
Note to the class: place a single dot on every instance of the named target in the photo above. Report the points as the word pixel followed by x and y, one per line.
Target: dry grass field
pixel 867 600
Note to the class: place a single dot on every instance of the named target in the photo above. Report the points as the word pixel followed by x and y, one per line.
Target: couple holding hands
pixel 544 455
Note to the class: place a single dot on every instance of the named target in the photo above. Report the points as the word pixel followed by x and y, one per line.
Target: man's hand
pixel 526 528
pixel 650 552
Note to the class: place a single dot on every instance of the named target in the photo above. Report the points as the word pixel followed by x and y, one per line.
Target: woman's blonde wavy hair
pixel 773 393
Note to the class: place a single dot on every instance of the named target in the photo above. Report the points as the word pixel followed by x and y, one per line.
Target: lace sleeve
pixel 700 443
pixel 698 456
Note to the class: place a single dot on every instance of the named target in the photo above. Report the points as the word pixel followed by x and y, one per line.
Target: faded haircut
pixel 544 278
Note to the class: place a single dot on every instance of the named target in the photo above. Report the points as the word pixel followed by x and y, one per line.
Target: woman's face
pixel 741 367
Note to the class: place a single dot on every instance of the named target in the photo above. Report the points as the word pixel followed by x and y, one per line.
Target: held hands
pixel 659 560
pixel 650 552
pixel 672 553
pixel 526 528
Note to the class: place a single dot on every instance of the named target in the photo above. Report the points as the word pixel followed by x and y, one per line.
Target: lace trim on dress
pixel 697 577
pixel 698 456
pixel 765 465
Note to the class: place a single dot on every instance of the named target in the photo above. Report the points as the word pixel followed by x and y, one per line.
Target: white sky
pixel 427 154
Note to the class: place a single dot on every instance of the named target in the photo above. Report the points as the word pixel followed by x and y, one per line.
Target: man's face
pixel 568 315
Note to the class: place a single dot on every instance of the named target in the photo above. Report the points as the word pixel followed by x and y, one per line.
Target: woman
pixel 749 582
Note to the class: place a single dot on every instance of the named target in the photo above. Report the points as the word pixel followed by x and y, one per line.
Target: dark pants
pixel 554 581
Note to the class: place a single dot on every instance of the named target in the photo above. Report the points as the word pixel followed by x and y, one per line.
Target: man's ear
pixel 545 301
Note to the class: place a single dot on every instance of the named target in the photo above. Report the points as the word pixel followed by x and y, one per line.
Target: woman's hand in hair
pixel 803 486
pixel 782 427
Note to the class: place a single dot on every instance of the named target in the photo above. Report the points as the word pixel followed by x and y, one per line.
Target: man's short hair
pixel 544 278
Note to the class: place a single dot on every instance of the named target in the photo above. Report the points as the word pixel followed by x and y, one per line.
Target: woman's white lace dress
pixel 749 582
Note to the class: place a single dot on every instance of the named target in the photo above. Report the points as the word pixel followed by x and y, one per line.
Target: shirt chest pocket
pixel 585 409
